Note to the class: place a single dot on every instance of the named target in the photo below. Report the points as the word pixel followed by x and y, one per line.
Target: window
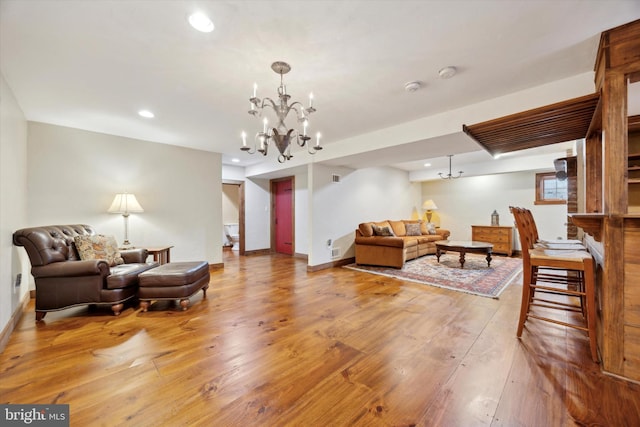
pixel 550 190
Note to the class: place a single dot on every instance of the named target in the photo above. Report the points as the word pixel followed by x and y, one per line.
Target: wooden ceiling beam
pixel 551 124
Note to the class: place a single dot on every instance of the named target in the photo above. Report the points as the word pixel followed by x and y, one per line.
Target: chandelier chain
pixel 450 175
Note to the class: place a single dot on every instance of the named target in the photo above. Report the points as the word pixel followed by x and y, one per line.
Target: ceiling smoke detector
pixel 447 72
pixel 413 86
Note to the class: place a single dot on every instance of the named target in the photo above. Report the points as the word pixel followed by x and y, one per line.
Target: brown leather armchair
pixel 63 280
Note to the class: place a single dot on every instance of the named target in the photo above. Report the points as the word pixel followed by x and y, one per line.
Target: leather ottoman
pixel 173 281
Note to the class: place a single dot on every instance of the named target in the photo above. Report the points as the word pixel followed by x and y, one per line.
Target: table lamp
pixel 125 203
pixel 429 206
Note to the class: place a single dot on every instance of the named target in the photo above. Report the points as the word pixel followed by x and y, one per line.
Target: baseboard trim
pixel 218 266
pixel 332 264
pixel 258 252
pixel 298 255
pixel 13 321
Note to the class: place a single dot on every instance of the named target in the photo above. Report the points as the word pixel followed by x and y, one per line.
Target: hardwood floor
pixel 273 345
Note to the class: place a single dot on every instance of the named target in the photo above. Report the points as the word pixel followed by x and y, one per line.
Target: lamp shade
pixel 429 205
pixel 125 203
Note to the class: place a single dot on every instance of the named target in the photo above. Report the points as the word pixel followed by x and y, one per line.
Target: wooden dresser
pixel 500 236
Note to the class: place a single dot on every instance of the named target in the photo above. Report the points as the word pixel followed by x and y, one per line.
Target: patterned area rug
pixel 475 278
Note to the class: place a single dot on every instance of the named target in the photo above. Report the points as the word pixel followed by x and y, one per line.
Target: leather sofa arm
pixel 95 267
pixel 134 256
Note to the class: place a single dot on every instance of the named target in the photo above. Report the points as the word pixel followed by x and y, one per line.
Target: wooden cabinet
pixel 500 236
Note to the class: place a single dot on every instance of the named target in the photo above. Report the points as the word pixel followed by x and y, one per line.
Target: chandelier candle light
pixel 280 135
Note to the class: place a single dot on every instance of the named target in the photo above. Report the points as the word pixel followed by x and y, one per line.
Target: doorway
pixel 282 217
pixel 233 217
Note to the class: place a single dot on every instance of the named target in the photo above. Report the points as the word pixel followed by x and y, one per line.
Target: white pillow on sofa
pixel 431 228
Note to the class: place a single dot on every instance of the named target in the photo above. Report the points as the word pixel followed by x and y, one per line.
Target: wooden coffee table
pixel 464 247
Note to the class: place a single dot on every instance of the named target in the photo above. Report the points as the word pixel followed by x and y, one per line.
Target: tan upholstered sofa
pixel 410 239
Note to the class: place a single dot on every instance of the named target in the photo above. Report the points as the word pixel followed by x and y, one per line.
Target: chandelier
pixel 280 135
pixel 449 175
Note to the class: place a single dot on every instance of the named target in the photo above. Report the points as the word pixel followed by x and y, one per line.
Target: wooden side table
pixel 161 254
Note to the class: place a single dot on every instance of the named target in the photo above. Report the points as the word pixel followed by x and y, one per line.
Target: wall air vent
pixel 335 178
pixel 335 252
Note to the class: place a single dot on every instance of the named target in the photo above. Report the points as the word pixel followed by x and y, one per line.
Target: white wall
pixel 74 175
pixel 13 202
pixel 257 223
pixel 336 209
pixel 464 202
pixel 232 174
pixel 301 213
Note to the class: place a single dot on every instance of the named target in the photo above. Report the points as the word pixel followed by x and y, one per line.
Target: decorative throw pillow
pixel 382 231
pixel 98 246
pixel 413 229
pixel 431 228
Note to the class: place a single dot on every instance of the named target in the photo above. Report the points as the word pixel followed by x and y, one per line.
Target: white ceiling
pixel 93 64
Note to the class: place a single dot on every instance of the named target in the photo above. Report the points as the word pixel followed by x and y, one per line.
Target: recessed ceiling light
pixel 413 86
pixel 235 160
pixel 146 113
pixel 426 165
pixel 447 72
pixel 201 22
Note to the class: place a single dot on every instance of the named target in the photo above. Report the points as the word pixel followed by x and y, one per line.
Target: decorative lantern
pixel 495 218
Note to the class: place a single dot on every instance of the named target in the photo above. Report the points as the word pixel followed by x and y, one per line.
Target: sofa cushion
pixel 98 246
pixel 125 275
pixel 366 229
pixel 426 238
pixel 398 228
pixel 410 241
pixel 413 229
pixel 382 230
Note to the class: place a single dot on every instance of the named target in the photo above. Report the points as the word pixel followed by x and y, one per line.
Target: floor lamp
pixel 125 203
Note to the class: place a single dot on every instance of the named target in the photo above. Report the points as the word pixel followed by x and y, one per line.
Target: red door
pixel 283 193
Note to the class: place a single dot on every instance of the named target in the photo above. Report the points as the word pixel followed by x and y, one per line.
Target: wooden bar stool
pixel 548 271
